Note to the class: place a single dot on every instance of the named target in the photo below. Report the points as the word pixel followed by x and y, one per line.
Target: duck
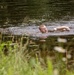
pixel 43 29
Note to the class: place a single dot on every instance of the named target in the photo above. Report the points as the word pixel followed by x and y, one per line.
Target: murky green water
pixel 18 11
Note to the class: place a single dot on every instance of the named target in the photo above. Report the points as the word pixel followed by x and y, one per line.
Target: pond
pixel 16 12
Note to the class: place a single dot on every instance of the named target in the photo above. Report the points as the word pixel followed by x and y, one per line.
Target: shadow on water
pixel 15 12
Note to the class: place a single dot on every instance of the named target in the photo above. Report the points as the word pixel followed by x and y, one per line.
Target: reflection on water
pixel 18 11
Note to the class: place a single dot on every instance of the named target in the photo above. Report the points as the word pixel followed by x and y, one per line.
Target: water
pixel 17 12
pixel 34 31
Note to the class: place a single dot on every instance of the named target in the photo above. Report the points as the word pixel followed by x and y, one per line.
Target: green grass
pixel 21 60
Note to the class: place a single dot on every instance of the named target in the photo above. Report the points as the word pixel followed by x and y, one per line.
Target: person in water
pixel 44 29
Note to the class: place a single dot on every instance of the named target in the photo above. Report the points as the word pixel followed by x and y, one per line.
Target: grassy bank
pixel 31 58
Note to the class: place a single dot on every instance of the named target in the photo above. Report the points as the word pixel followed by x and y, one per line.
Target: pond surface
pixel 16 12
pixel 19 17
pixel 34 31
